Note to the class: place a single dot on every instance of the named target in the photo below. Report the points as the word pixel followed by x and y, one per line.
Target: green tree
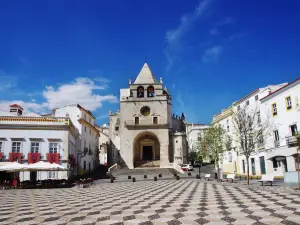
pixel 211 144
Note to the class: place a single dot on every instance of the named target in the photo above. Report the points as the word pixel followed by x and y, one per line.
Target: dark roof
pixel 16 105
pixel 280 89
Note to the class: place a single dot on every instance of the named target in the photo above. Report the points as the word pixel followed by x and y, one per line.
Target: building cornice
pixel 82 121
pixel 225 113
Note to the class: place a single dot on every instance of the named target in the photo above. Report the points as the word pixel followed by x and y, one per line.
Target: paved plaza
pixel 171 201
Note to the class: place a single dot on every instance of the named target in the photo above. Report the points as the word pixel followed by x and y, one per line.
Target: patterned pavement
pixel 147 202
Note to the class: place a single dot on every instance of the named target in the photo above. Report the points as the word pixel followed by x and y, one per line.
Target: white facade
pixel 87 143
pixel 192 132
pixel 103 144
pixel 283 106
pixel 21 136
pixel 234 161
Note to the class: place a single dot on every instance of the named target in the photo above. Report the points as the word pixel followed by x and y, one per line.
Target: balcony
pixel 277 144
pixel 292 141
pixel 146 123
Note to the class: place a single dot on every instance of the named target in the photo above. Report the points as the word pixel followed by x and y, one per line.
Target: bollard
pixel 160 175
pixel 189 174
pixel 197 176
pixel 177 177
pixel 133 179
pixel 129 177
pixel 145 176
pixel 155 178
pixel 111 180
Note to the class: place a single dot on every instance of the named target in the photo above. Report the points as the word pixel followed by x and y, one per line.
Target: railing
pixel 277 144
pixel 292 141
pixel 146 123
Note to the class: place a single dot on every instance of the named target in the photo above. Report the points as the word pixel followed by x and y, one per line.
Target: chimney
pixel 16 110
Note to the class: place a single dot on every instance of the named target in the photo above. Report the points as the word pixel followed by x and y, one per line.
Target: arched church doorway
pixel 146 150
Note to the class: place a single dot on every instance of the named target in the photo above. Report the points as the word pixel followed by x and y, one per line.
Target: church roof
pixel 145 76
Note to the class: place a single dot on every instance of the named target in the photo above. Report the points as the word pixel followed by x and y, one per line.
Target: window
pixel 274 109
pixel 288 103
pixel 145 111
pixel 90 120
pixel 258 117
pixel 84 165
pixel 90 131
pixel 276 135
pixel 260 139
pixel 150 91
pixel 247 102
pixel 51 174
pixel 116 128
pixel 16 146
pixel 239 107
pixel 84 116
pixel 155 120
pixel 294 130
pixel 227 122
pixel 84 128
pixel 137 120
pixel 256 97
pixel 140 92
pixel 53 147
pixel 229 156
pixel 35 146
pixel 1 146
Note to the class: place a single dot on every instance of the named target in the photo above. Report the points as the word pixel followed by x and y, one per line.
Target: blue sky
pixel 209 53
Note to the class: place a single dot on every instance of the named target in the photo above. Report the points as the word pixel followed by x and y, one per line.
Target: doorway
pixel 33 176
pixel 147 153
pixel 262 165
pixel 253 166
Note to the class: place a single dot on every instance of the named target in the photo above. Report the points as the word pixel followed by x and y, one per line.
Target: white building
pixel 257 160
pixel 32 139
pixel 283 106
pixel 103 144
pixel 230 158
pixel 87 142
pixel 193 131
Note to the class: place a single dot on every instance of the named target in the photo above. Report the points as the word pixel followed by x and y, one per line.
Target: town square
pixel 149 112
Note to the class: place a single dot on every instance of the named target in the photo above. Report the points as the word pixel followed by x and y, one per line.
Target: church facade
pixel 144 132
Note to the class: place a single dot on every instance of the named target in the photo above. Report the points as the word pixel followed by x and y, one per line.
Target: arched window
pixel 150 91
pixel 140 92
pixel 84 165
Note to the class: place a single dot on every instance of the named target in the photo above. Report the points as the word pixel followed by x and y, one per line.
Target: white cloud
pixel 80 92
pixel 30 108
pixel 174 36
pixel 212 54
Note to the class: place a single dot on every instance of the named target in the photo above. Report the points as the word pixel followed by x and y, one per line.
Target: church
pixel 144 132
